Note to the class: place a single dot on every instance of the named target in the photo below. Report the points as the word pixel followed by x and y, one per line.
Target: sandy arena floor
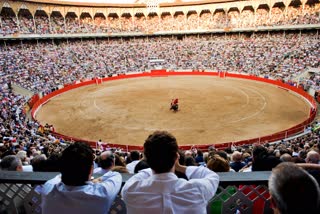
pixel 212 110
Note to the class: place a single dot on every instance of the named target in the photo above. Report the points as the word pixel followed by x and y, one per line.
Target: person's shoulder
pixel 97 170
pixel 106 177
pixel 199 172
pixel 55 180
pixel 49 185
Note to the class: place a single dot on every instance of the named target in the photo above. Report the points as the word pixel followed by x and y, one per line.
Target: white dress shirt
pixel 99 170
pixel 147 192
pixel 130 166
pixel 27 168
pixel 90 198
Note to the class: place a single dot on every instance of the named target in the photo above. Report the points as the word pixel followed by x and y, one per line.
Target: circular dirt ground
pixel 212 110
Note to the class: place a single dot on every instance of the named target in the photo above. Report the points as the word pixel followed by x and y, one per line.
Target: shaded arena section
pixel 212 110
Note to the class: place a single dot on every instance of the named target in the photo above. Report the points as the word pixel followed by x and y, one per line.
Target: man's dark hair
pixel 76 163
pixel 262 161
pixel 53 163
pixel 222 154
pixel 294 190
pixel 134 155
pixel 160 150
pixel 259 152
pixel 190 161
pixel 284 151
pixel 39 163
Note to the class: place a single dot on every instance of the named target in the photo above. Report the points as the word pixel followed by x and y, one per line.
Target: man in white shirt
pixel 73 192
pixel 159 190
pixel 135 158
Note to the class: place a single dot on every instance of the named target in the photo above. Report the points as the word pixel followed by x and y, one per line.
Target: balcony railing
pixel 237 193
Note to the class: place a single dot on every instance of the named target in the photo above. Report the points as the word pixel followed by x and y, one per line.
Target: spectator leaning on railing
pixel 72 191
pixel 159 190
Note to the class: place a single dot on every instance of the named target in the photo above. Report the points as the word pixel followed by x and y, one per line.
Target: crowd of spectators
pixel 25 23
pixel 41 154
pixel 44 66
pixel 22 137
pixel 290 154
pixel 48 65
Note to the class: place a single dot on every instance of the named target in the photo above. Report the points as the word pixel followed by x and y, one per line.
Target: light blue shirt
pixel 146 192
pixel 58 198
pixel 99 170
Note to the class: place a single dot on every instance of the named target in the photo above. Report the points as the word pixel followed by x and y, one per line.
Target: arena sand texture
pixel 212 110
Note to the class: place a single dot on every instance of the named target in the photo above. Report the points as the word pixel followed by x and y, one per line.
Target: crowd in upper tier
pixel 24 23
pixel 43 66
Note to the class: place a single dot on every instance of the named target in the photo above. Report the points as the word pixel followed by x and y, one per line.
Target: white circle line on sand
pixel 97 107
pixel 256 113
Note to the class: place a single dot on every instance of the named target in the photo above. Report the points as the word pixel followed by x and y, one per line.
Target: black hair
pixel 134 155
pixel 160 150
pixel 76 164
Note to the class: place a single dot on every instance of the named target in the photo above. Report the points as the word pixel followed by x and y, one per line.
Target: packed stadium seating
pixel 24 22
pixel 42 66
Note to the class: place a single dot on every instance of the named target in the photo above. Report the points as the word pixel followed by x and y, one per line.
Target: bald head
pixel 104 155
pixel 313 157
pixel 106 160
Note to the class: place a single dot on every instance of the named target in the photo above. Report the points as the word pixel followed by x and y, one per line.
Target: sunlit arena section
pixel 211 110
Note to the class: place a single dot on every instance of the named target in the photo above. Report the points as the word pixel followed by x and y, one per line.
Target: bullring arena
pixel 246 73
pixel 212 110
